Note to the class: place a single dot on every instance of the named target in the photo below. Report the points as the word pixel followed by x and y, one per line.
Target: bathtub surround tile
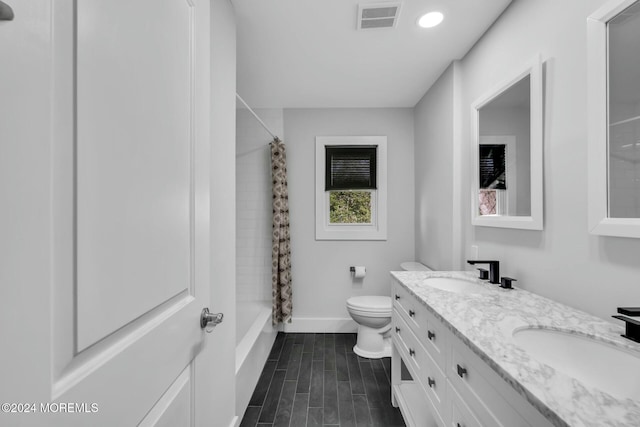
pixel 331 387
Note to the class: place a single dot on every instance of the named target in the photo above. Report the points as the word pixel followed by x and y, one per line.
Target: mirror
pixel 614 119
pixel 507 153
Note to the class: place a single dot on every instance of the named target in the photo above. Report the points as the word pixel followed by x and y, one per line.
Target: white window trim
pixel 377 230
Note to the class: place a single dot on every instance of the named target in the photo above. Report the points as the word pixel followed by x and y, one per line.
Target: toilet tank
pixel 414 266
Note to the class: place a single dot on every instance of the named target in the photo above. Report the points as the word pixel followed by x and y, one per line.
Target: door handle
pixel 208 320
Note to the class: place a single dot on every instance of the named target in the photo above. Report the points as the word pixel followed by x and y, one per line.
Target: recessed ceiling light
pixel 430 19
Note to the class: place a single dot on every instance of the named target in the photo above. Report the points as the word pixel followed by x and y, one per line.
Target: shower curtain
pixel 281 247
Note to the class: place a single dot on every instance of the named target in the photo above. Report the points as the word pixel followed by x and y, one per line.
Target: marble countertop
pixel 485 321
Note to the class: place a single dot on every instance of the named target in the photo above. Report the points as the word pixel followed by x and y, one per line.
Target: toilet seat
pixel 378 306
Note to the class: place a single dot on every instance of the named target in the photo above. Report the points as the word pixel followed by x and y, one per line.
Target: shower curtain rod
pixel 256 116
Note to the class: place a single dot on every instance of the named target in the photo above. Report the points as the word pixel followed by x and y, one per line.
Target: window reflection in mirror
pixel 624 113
pixel 505 152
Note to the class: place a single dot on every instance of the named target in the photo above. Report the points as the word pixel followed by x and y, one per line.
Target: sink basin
pixel 589 360
pixel 451 284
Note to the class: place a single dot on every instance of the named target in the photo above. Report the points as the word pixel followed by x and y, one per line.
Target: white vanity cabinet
pixel 451 385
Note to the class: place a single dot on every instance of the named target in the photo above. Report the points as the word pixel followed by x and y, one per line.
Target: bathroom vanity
pixel 472 362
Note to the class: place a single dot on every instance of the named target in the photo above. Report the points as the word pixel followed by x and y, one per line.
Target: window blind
pixel 493 166
pixel 350 167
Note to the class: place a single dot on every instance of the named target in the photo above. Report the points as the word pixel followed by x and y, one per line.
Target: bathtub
pixel 255 336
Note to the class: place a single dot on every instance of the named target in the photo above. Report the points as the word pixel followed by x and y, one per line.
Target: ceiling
pixel 309 54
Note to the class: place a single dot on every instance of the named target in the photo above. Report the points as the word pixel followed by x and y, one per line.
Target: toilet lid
pixel 371 303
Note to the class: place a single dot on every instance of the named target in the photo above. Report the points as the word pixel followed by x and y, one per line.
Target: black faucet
pixel 494 269
pixel 632 325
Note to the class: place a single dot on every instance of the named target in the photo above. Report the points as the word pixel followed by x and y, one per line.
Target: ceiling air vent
pixel 378 15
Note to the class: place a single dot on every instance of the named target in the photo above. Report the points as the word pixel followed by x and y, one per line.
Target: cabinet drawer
pixel 476 384
pixel 429 330
pixel 420 364
pixel 461 415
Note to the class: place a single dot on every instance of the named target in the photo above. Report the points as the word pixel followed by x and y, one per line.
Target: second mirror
pixel 507 147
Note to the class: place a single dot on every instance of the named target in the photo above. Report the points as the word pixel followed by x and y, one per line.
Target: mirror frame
pixel 533 69
pixel 598 153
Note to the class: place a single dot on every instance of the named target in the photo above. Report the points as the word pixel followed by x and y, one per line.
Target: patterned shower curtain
pixel 281 246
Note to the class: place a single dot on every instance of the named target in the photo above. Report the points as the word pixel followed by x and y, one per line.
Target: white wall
pixel 563 262
pixel 320 269
pixel 434 157
pixel 253 201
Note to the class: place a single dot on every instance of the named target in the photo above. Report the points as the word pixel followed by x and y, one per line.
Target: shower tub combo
pixel 255 337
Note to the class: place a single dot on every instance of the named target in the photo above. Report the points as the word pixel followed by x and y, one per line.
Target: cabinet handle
pixel 431 382
pixel 397 297
pixel 431 335
pixel 412 313
pixel 397 330
pixel 412 352
pixel 461 371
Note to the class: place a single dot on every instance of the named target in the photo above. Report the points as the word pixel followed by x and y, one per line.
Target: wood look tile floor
pixel 313 380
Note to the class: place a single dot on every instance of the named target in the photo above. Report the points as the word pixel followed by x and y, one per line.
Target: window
pixel 351 188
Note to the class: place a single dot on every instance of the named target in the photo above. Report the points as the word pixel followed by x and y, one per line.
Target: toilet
pixel 373 316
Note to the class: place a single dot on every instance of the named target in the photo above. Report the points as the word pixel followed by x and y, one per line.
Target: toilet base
pixel 373 343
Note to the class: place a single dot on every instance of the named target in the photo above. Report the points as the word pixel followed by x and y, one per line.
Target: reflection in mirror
pixel 504 152
pixel 624 113
pixel 613 71
pixel 507 152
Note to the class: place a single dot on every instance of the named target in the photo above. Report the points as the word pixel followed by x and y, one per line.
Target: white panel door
pixel 104 180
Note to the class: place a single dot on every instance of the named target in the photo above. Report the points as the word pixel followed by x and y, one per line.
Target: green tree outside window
pixel 350 207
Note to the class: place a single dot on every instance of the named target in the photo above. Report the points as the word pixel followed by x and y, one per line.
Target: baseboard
pixel 321 324
pixel 235 422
